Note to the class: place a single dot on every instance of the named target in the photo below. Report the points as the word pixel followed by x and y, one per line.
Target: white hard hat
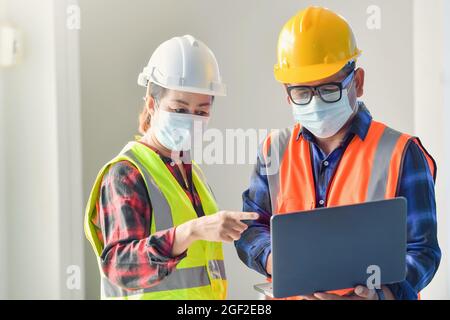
pixel 184 64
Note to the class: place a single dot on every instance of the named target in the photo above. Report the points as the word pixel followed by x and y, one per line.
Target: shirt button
pixel 322 202
pixel 326 163
pixel 172 164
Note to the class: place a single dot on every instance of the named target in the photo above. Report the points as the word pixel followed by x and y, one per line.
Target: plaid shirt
pixel 416 185
pixel 133 258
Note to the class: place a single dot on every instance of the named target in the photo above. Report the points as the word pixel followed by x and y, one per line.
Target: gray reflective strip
pixel 161 209
pixel 381 162
pixel 271 163
pixel 179 279
pixel 217 269
pixel 199 173
pixel 202 178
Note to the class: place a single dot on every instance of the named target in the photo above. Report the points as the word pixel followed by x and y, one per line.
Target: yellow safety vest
pixel 201 274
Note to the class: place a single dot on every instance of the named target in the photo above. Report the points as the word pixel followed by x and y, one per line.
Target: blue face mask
pixel 323 119
pixel 175 131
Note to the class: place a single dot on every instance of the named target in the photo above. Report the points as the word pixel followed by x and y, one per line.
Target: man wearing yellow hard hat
pixel 336 154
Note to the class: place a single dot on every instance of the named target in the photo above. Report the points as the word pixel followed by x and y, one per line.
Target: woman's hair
pixel 157 93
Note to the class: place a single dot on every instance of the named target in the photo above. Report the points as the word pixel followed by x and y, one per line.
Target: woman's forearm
pixel 184 237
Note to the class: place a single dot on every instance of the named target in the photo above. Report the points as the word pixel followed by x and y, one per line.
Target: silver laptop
pixel 337 248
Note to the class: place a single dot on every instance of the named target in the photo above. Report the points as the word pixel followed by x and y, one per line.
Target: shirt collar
pixel 359 126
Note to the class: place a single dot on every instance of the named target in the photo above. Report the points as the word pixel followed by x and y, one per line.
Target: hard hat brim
pixel 219 91
pixel 310 73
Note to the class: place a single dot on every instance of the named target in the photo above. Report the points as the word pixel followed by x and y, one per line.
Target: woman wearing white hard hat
pixel 151 217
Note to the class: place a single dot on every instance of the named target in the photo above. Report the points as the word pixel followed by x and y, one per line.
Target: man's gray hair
pixel 349 67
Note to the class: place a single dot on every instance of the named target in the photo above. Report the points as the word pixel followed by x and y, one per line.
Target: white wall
pixel 41 209
pixel 30 145
pixel 31 149
pixel 68 121
pixel 117 40
pixel 430 118
pixel 3 220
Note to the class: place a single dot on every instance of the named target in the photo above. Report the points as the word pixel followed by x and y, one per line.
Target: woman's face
pixel 171 117
pixel 185 102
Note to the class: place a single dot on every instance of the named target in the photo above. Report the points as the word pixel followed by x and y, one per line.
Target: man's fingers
pixel 328 296
pixel 360 293
pixel 309 297
pixel 363 292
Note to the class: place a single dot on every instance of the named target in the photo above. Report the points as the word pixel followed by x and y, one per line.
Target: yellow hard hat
pixel 314 44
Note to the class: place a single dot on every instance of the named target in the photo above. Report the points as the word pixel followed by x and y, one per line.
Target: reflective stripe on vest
pixel 271 155
pixel 380 170
pixel 189 280
pixel 161 208
pixel 179 279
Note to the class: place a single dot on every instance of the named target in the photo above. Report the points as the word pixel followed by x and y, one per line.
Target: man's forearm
pixel 253 248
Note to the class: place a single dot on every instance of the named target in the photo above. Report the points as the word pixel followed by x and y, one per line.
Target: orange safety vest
pixel 369 170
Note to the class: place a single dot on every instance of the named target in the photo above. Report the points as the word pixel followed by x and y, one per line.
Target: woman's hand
pixel 224 226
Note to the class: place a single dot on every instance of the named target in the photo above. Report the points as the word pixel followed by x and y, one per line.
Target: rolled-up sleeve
pixel 132 258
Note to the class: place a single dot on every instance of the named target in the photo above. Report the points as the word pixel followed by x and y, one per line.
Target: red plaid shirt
pixel 133 258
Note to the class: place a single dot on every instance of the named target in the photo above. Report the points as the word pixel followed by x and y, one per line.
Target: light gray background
pixel 117 41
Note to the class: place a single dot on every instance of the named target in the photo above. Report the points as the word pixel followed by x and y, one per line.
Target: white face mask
pixel 176 131
pixel 323 119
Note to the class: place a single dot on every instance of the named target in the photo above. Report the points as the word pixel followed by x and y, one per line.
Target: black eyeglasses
pixel 328 92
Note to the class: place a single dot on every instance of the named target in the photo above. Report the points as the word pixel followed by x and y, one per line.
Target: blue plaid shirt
pixel 416 185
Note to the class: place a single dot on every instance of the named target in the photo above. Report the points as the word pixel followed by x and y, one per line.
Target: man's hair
pixel 349 67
